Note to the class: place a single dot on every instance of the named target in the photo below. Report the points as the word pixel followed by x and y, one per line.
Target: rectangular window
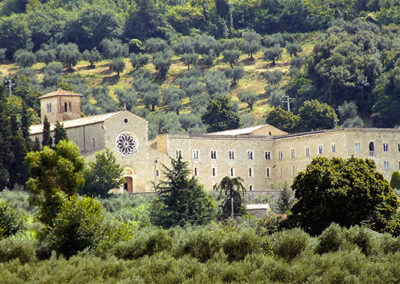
pixel 280 155
pixel 268 172
pixel 307 151
pixel 195 154
pixel 386 165
pixel 232 172
pixel 385 147
pixel 213 155
pixel 214 172
pixel 292 153
pixel 399 165
pixel 320 150
pixel 250 172
pixel 49 107
pixel 333 147
pixel 178 153
pixel 157 173
pixel 250 154
pixel 231 155
pixel 66 107
pixel 398 146
pixel 250 188
pixel 195 171
pixel 267 155
pixel 358 147
pixel 70 107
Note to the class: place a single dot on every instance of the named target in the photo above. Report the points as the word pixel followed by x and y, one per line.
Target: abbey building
pixel 261 155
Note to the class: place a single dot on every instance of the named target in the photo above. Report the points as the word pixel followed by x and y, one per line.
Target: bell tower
pixel 60 105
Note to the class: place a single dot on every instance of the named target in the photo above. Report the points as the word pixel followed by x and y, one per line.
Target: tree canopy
pixel 345 191
pixel 220 115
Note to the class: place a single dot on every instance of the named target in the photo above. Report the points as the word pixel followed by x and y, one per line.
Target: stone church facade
pixel 261 155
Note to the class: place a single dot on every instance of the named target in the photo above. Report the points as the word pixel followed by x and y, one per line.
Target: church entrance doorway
pixel 128 185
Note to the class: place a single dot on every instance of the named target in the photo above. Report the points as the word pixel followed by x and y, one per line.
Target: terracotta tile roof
pixel 60 92
pixel 38 128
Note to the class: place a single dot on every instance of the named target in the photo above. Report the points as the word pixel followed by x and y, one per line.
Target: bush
pixel 13 248
pixel 200 243
pixel 237 245
pixel 145 243
pixel 330 240
pixel 78 226
pixel 289 244
pixel 362 238
pixel 18 199
pixel 10 221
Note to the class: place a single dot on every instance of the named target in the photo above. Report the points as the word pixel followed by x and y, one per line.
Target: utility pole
pixel 10 84
pixel 288 102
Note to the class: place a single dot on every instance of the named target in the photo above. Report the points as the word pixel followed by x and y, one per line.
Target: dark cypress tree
pixel 47 140
pixel 25 124
pixel 59 133
pixel 36 145
pixel 18 172
pixel 5 140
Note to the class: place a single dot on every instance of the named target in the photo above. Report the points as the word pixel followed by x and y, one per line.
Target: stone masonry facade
pixel 260 155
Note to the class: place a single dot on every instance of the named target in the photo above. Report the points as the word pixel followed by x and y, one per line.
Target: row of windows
pixel 231 154
pixel 232 172
pixel 268 156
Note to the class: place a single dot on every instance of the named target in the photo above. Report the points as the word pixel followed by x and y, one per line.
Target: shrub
pixel 78 226
pixel 237 245
pixel 200 243
pixel 18 199
pixel 145 243
pixel 10 221
pixel 289 244
pixel 330 240
pixel 13 248
pixel 269 224
pixel 362 238
pixel 389 244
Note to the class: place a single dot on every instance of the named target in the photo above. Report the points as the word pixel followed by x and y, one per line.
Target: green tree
pixel 146 21
pixel 10 220
pixel 216 83
pixel 127 98
pixel 52 74
pixel 190 59
pixel 6 157
pixel 162 62
pixel 78 225
pixel 139 60
pixel 117 65
pixel 345 191
pixel 46 56
pixel 395 180
pixel 231 56
pixel 293 49
pixel 220 115
pixel 14 35
pixel 286 199
pixel 315 115
pixel 54 174
pixel 173 98
pixel 251 43
pixel 59 133
pixel 24 58
pixel 92 56
pixel 348 115
pixel 47 140
pixel 69 55
pixel 18 173
pixel 273 53
pixel 102 175
pixel 180 200
pixel 284 120
pixel 236 73
pixel 232 187
pixel 248 97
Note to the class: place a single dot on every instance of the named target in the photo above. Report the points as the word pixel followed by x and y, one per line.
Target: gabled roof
pixel 38 128
pixel 60 92
pixel 265 129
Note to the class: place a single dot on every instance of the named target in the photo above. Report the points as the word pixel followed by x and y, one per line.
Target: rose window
pixel 126 144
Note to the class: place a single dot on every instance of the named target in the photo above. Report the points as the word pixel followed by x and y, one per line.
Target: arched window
pixel 371 147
